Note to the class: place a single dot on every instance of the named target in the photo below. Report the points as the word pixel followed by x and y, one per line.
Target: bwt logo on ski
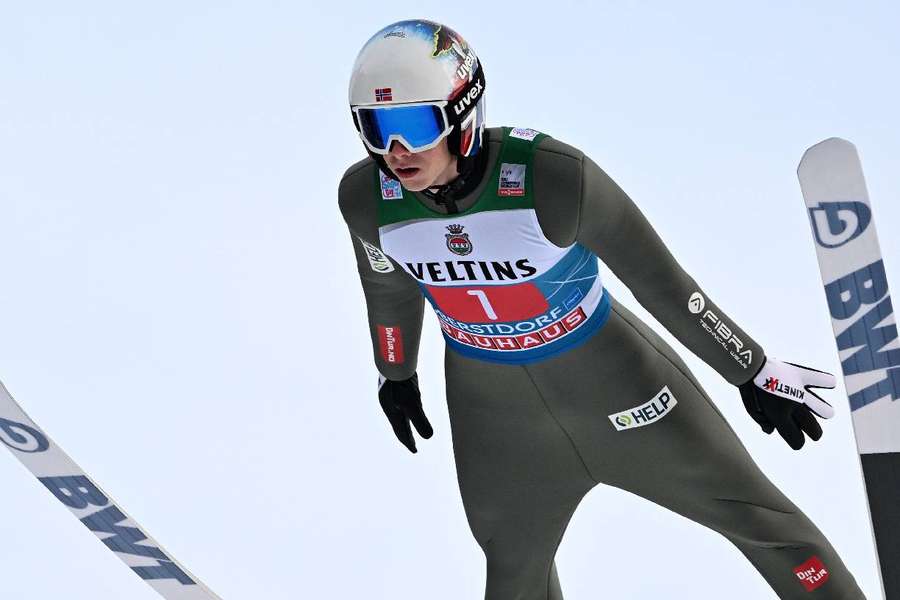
pixel 79 493
pixel 812 574
pixel 836 223
pixel 774 385
pixel 22 438
pixel 865 291
pixel 645 414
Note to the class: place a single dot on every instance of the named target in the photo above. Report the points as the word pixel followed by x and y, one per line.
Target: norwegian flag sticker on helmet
pixel 383 95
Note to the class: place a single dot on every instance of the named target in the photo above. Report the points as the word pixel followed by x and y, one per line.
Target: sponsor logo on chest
pixel 457 241
pixel 512 180
pixel 390 187
pixel 471 270
pixel 645 414
pixel 487 246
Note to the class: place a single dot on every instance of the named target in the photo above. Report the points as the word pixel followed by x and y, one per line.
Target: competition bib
pixel 501 290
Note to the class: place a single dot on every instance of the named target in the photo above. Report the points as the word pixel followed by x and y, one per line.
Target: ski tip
pixel 828 146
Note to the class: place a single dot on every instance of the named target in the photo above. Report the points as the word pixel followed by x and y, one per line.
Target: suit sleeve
pixel 613 227
pixel 394 302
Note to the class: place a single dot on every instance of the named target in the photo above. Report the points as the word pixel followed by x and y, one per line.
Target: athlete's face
pixel 420 170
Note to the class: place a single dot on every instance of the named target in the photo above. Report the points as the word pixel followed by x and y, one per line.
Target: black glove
pixel 780 397
pixel 402 403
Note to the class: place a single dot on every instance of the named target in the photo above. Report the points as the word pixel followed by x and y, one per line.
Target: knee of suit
pixel 503 534
pixel 762 526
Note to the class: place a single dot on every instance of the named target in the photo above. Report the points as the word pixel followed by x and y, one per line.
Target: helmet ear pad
pixel 470 133
pixel 465 111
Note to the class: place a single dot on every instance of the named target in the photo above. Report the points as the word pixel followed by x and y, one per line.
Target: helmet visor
pixel 418 127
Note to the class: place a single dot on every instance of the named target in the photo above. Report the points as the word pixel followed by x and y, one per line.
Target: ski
pixel 865 330
pixel 93 507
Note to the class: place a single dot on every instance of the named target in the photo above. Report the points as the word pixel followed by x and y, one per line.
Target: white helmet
pixel 418 82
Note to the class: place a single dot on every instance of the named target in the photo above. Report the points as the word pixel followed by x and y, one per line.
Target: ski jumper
pixel 553 386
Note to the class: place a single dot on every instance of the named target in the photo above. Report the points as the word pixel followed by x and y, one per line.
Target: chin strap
pixel 470 170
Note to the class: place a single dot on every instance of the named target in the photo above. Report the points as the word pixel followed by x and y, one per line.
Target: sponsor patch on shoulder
pixel 377 260
pixel 647 413
pixel 512 180
pixel 524 133
pixel 390 188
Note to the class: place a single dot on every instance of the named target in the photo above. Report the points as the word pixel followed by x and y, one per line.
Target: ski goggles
pixel 419 126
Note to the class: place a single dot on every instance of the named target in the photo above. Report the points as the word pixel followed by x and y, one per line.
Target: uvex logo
pixel 469 98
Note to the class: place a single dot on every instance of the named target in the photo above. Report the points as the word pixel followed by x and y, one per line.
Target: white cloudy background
pixel 180 308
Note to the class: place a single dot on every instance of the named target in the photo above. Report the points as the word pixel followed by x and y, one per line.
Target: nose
pixel 398 150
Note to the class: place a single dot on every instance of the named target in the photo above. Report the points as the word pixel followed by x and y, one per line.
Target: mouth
pixel 406 172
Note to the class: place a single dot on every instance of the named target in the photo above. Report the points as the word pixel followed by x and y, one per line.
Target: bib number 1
pixel 507 303
pixel 485 303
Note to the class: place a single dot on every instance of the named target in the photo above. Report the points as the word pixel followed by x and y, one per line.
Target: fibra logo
pixel 836 223
pixel 645 414
pixel 696 303
pixel 457 241
pixel 469 98
pixel 720 331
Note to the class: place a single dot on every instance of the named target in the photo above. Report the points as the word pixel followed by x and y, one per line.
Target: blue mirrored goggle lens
pixel 419 125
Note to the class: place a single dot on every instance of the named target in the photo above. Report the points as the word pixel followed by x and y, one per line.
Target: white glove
pixel 795 382
pixel 781 397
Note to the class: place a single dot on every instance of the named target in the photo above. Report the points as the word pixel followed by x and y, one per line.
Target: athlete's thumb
pixel 420 421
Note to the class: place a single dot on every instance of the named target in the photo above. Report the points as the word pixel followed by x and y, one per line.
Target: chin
pixel 415 184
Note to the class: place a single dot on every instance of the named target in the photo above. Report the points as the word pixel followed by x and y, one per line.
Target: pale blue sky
pixel 182 312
